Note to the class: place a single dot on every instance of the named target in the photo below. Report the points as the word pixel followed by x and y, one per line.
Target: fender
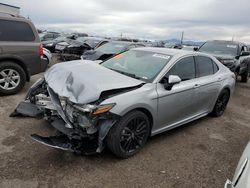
pixel 17 59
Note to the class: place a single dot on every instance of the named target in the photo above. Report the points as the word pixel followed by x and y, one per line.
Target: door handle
pixel 196 85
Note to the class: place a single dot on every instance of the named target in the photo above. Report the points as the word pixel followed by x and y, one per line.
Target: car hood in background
pixel 47 42
pixel 94 55
pixel 83 82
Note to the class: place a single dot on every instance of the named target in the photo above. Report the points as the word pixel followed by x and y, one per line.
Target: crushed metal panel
pixel 27 109
pixel 75 80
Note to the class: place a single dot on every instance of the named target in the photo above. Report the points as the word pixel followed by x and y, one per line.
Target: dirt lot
pixel 200 154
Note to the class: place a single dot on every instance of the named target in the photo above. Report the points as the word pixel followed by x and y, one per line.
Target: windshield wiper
pixel 126 73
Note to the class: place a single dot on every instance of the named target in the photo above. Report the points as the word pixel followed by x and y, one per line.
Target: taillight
pixel 41 50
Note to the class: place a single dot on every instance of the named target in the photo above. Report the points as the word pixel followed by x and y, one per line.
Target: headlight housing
pixel 96 109
pixel 103 109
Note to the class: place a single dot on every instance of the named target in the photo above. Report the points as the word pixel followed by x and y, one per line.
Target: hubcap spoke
pixel 15 77
pixel 13 83
pixel 6 85
pixel 3 74
pixel 10 73
pixel 2 81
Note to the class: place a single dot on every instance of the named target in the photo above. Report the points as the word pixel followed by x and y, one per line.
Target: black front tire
pixel 19 70
pixel 129 135
pixel 221 103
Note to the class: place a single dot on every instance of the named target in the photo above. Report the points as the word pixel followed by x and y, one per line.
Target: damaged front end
pixel 81 128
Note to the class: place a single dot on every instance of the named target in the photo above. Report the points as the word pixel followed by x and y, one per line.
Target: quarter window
pixel 15 31
pixel 205 66
pixel 185 69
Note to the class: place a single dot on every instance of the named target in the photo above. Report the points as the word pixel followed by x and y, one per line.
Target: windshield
pixel 219 48
pixel 92 42
pixel 81 39
pixel 112 48
pixel 139 64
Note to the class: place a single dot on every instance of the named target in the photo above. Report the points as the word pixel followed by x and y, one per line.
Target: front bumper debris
pixel 27 109
pixel 41 101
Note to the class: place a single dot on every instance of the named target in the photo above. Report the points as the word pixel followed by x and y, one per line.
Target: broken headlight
pixel 96 109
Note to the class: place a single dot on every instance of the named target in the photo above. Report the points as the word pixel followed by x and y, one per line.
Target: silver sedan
pixel 123 101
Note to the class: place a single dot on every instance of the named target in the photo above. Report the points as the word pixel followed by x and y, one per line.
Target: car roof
pixel 167 51
pixel 122 42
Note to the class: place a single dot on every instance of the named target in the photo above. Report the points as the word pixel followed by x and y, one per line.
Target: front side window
pixel 139 64
pixel 184 68
pixel 15 31
pixel 205 66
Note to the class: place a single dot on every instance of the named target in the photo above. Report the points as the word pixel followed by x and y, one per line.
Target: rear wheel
pixel 244 76
pixel 129 135
pixel 12 78
pixel 221 103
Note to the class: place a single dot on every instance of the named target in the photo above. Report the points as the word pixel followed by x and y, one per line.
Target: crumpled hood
pixel 94 55
pixel 83 82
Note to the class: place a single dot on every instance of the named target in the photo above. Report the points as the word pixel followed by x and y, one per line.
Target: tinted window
pixel 217 47
pixel 15 31
pixel 185 69
pixel 205 66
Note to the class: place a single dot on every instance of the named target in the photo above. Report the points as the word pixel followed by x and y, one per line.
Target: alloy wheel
pixel 134 135
pixel 9 79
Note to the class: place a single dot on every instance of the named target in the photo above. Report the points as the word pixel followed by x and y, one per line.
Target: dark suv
pixel 20 53
pixel 232 54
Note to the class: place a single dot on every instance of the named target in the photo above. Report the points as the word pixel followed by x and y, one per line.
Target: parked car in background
pixel 51 44
pixel 80 34
pixel 189 47
pixel 47 55
pixel 232 54
pixel 76 48
pixel 126 99
pixel 173 45
pixel 21 53
pixel 241 178
pixel 48 36
pixel 109 50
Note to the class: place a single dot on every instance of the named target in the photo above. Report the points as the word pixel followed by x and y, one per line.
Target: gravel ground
pixel 200 154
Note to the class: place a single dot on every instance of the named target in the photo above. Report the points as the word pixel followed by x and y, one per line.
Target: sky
pixel 200 20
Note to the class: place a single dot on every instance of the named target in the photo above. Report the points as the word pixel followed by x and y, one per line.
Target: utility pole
pixel 182 36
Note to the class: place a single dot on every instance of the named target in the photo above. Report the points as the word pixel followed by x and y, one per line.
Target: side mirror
pixel 171 81
pixel 196 48
pixel 245 53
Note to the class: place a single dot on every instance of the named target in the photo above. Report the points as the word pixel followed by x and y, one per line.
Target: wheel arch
pixel 227 88
pixel 147 113
pixel 19 62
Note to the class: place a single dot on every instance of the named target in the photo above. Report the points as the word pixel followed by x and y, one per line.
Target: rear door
pixel 20 41
pixel 208 83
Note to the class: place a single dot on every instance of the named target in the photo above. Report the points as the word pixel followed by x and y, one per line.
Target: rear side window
pixel 185 69
pixel 15 31
pixel 205 66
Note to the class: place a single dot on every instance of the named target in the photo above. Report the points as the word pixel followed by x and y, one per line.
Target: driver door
pixel 179 103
